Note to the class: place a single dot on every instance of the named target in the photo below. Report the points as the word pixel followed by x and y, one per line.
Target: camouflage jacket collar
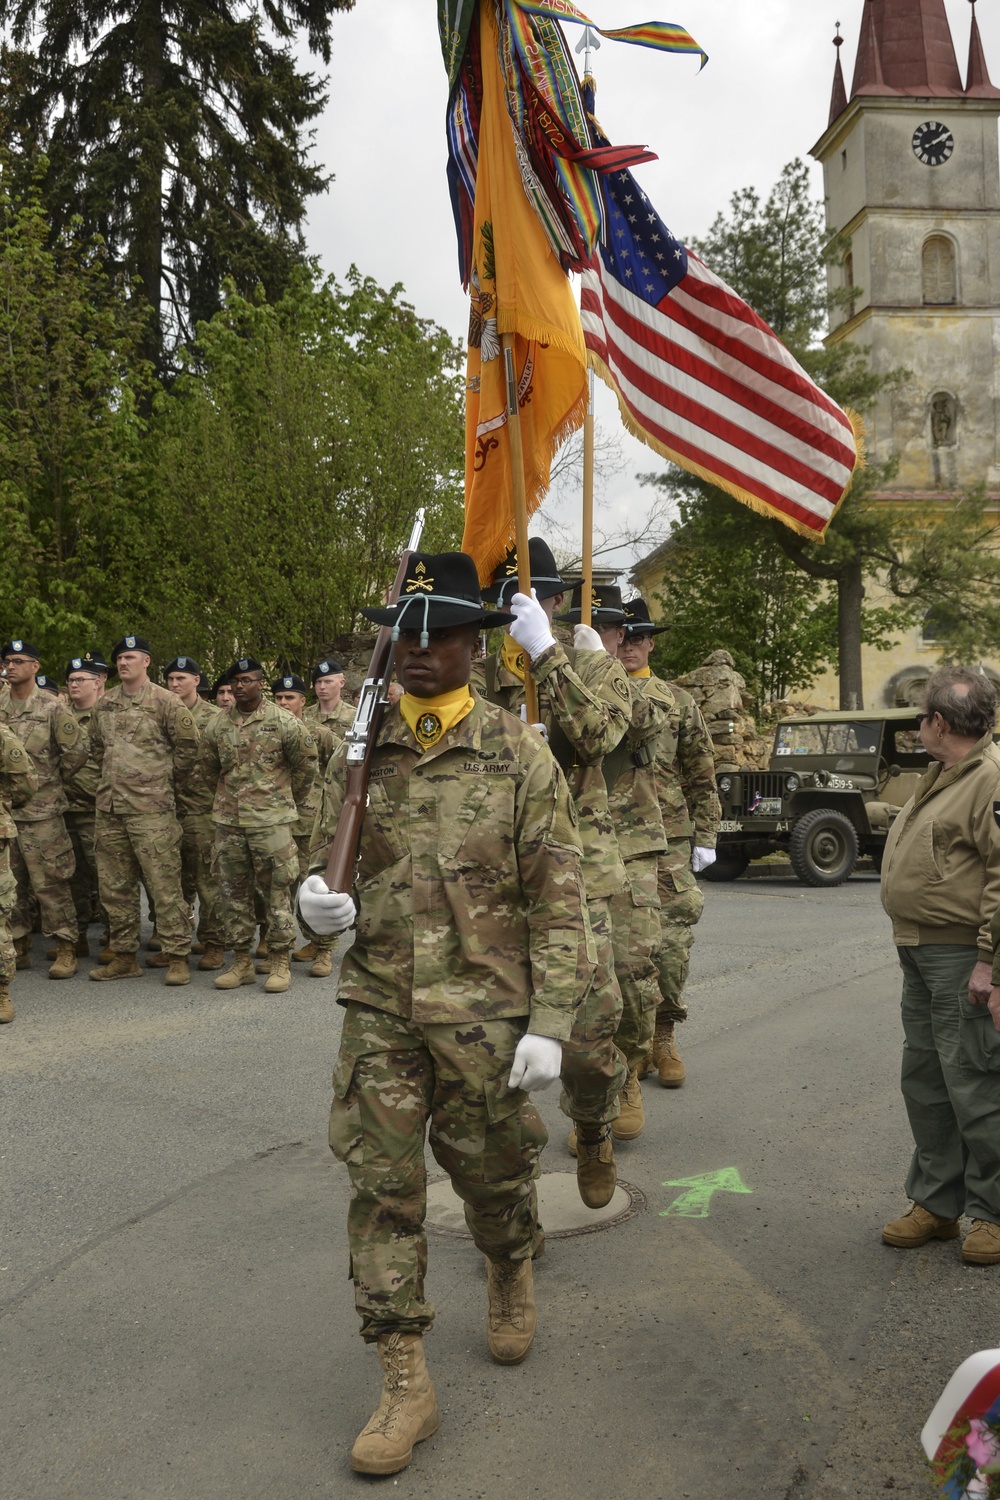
pixel 466 735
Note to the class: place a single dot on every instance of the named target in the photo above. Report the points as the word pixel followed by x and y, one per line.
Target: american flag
pixel 701 378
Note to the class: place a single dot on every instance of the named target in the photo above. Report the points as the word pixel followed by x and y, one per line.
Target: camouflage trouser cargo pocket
pixel 345 1134
pixel 635 924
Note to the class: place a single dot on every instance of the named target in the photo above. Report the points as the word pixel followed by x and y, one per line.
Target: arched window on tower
pixel 940 283
pixel 849 271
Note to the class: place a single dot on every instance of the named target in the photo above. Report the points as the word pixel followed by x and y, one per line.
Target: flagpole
pixel 587 570
pixel 520 507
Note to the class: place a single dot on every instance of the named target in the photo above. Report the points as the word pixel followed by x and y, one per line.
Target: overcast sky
pixel 762 100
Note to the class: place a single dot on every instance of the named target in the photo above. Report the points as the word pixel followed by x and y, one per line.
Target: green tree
pixel 884 566
pixel 71 381
pixel 177 133
pixel 289 463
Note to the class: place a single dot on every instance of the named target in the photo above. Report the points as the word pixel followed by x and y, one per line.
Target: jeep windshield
pixel 810 738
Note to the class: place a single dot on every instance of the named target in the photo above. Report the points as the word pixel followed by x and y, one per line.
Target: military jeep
pixel 834 785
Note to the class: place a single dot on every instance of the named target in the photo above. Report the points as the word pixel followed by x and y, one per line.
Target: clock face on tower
pixel 933 143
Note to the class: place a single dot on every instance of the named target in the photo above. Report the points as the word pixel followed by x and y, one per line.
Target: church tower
pixel 912 181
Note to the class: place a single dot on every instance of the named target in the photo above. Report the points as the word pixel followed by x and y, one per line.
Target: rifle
pixel 361 738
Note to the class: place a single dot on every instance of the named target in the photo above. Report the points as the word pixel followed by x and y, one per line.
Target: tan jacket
pixel 261 765
pixel 48 730
pixel 146 742
pixel 941 867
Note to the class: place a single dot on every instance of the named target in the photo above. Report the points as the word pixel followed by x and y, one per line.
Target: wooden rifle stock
pixel 361 739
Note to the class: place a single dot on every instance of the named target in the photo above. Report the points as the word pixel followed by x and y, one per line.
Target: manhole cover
pixel 559 1207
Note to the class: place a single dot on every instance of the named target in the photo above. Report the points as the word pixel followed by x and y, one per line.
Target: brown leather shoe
pixel 407 1412
pixel 510 1322
pixel 596 1173
pixel 632 1116
pixel 916 1227
pixel 981 1246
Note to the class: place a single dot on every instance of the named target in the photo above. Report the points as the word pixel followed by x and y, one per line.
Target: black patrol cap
pixel 606 606
pixel 637 619
pixel 131 643
pixel 440 589
pixel 329 667
pixel 545 577
pixel 245 664
pixel 46 684
pixel 20 648
pixel 183 664
pixel 289 684
pixel 86 664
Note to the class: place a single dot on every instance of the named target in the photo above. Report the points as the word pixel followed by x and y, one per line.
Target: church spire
pixel 977 83
pixel 906 48
pixel 838 99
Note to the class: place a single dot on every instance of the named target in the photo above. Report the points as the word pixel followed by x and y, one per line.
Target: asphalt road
pixel 175 1314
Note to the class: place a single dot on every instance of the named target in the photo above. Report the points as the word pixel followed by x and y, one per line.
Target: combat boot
pixel 65 965
pixel 261 950
pixel 22 952
pixel 280 976
pixel 596 1173
pixel 666 1058
pixel 917 1226
pixel 407 1412
pixel 157 960
pixel 213 957
pixel 322 965
pixel 154 945
pixel 6 1004
pixel 306 953
pixel 119 966
pixel 510 1321
pixel 240 971
pixel 82 947
pixel 263 965
pixel 177 969
pixel 632 1116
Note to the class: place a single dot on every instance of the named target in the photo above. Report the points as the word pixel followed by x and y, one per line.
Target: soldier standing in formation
pixel 329 708
pixel 584 704
pixel 684 767
pixel 148 742
pixel 261 763
pixel 42 859
pixel 195 796
pixel 635 814
pixel 85 685
pixel 470 958
pixel 289 693
pixel 18 782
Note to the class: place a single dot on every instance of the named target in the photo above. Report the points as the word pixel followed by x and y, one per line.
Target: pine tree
pixel 176 131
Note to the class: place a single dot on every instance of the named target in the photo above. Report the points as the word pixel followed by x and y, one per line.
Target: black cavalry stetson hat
pixel 440 589
pixel 545 579
pixel 605 605
pixel 637 620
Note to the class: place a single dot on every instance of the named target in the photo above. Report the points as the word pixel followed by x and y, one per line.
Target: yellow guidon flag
pixel 517 286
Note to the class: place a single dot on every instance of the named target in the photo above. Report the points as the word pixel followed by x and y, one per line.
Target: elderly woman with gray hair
pixel 941 887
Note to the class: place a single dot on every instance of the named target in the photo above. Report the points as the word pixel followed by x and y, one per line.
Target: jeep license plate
pixel 768 807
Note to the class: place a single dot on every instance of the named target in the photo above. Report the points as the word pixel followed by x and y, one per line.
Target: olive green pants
pixel 391 1078
pixel 593 1069
pixel 951 1084
pixel 635 923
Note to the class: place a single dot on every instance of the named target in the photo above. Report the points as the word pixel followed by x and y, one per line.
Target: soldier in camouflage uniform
pixel 472 952
pixel 635 926
pixel 195 796
pixel 289 693
pixel 85 685
pixel 261 763
pixel 42 859
pixel 18 782
pixel 330 707
pixel 689 802
pixel 583 701
pixel 148 744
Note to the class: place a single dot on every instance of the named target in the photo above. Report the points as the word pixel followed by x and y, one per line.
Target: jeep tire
pixel 729 865
pixel 823 847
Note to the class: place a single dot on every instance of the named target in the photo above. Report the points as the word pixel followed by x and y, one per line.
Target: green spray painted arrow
pixel 694 1203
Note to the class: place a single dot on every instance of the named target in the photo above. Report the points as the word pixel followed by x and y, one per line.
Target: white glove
pixel 539 729
pixel 537 1063
pixel 585 638
pixel 325 911
pixel 530 629
pixel 701 859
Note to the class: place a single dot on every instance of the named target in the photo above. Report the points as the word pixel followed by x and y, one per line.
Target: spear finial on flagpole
pixel 589 42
